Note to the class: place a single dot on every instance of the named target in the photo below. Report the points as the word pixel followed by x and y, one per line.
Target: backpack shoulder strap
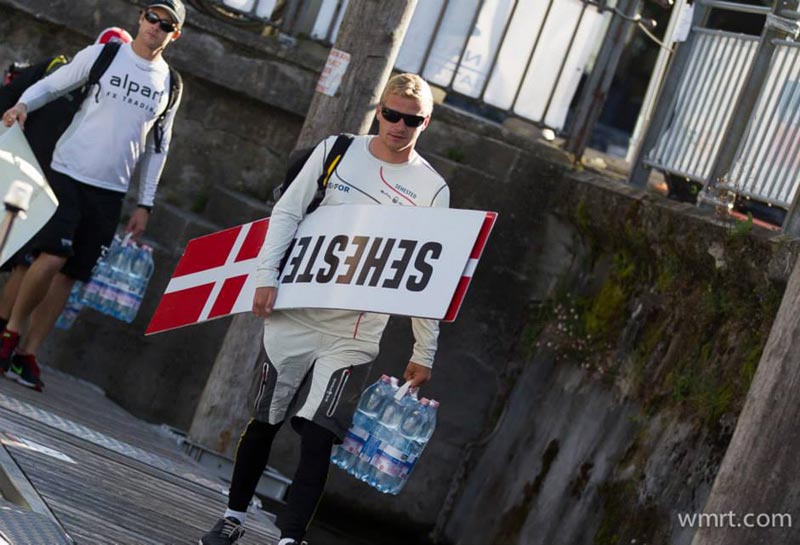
pixel 99 67
pixel 339 148
pixel 175 90
pixel 102 62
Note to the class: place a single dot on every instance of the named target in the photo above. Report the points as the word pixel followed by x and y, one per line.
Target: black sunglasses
pixel 393 116
pixel 153 18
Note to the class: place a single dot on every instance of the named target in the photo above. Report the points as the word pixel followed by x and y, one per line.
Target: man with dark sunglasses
pixel 42 130
pixel 313 352
pixel 111 134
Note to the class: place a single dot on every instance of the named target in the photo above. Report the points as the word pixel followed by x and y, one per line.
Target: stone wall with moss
pixel 628 376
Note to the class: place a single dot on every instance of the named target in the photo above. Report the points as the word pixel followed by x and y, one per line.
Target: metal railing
pixel 767 163
pixel 525 58
pixel 316 19
pixel 710 85
pixel 730 115
pixel 521 57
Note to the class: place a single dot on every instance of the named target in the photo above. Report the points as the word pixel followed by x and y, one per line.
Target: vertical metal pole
pixel 332 25
pixel 466 42
pixel 666 100
pixel 742 111
pixel 493 65
pixel 656 79
pixel 530 57
pixel 434 35
pixel 289 21
pixel 594 94
pixel 563 63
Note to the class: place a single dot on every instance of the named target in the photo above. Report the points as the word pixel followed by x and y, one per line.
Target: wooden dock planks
pixel 107 497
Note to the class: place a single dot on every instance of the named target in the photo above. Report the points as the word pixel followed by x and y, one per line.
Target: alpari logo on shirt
pixel 132 87
pixel 133 92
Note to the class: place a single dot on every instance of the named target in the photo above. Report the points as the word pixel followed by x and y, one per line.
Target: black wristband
pixel 145 207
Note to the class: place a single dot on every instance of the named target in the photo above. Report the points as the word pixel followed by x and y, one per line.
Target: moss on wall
pixel 673 319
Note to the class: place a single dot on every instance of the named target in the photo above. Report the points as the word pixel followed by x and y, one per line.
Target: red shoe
pixel 8 342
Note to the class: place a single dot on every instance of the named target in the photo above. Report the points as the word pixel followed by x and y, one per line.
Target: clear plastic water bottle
pixel 361 468
pixel 389 455
pixel 369 405
pixel 92 293
pixel 114 302
pixel 129 299
pixel 72 307
pixel 417 432
pixel 414 422
pixel 387 467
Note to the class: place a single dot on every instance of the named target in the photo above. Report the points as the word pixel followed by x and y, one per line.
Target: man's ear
pixel 176 35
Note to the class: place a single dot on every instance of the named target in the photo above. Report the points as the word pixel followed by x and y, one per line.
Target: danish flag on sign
pixel 215 277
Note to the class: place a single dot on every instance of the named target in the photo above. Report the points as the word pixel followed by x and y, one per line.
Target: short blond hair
pixel 410 86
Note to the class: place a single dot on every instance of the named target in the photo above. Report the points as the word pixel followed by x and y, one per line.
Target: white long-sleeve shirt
pixel 359 178
pixel 112 131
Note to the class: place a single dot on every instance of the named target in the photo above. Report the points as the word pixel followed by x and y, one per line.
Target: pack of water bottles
pixel 72 308
pixel 118 283
pixel 391 428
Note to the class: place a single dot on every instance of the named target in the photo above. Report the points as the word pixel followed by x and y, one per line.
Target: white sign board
pixel 393 260
pixel 18 164
pixel 387 259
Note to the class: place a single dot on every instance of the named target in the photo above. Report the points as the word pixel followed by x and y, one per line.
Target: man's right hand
pixel 263 301
pixel 17 113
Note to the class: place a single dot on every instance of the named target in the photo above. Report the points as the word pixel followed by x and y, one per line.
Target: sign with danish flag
pixel 386 259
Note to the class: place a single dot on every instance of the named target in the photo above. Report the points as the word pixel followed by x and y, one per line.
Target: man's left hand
pixel 138 222
pixel 417 374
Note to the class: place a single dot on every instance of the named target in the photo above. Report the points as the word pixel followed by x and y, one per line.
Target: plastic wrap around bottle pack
pixel 391 428
pixel 119 279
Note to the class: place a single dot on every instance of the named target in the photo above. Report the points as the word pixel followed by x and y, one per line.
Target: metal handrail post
pixel 595 91
pixel 666 99
pixel 656 79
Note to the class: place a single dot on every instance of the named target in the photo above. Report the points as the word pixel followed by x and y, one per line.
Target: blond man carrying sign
pixel 334 346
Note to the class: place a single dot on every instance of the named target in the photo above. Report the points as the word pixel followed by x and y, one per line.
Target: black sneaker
pixel 8 342
pixel 25 370
pixel 225 532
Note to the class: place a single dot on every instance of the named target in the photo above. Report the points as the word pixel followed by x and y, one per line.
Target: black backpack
pixel 99 68
pixel 299 158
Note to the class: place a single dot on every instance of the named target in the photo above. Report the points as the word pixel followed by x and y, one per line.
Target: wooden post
pixel 371 33
pixel 756 492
